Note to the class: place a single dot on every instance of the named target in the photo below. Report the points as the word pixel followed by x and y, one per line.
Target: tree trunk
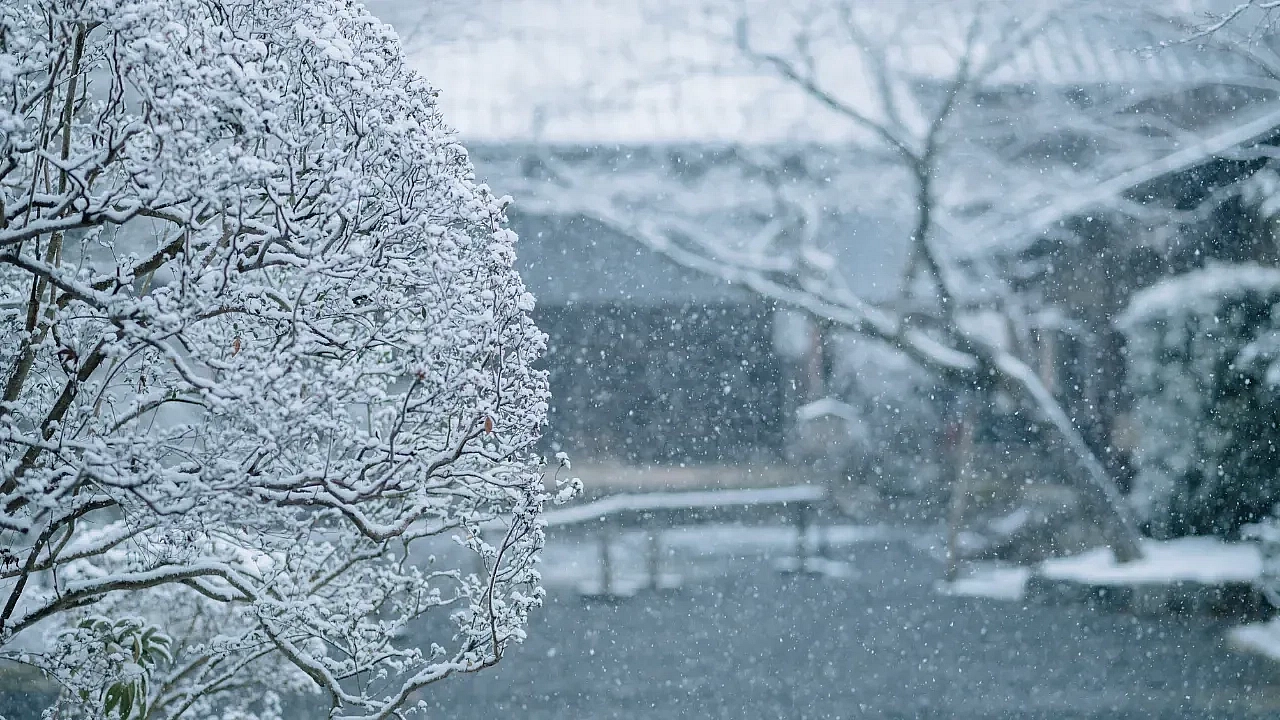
pixel 961 457
pixel 1086 474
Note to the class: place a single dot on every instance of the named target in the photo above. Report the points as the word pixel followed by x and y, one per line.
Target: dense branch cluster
pixel 259 333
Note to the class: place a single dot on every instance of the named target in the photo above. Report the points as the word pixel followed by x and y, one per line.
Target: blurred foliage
pixel 131 648
pixel 1202 353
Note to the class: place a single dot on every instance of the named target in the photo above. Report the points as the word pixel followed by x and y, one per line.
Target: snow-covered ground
pixel 756 643
pixel 1204 560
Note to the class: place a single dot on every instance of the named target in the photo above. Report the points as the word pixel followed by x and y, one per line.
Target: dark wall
pixel 667 383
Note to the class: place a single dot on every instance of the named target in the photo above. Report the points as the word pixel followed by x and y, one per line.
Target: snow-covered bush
pixel 260 338
pixel 1200 352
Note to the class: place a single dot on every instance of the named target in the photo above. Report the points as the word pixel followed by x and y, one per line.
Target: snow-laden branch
pixel 1101 194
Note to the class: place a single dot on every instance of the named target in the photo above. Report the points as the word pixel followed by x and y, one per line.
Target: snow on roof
pixel 635 71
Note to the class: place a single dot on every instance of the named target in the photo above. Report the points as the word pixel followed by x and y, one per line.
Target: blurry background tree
pixel 1201 343
pixel 261 338
pixel 1203 353
pixel 915 115
pixel 978 185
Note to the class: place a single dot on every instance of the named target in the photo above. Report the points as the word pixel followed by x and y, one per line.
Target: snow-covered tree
pixel 1201 346
pixel 261 339
pixel 1203 351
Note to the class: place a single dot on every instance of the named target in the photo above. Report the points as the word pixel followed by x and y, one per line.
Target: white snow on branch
pixel 1200 292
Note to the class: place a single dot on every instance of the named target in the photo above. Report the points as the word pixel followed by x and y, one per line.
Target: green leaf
pixel 112 699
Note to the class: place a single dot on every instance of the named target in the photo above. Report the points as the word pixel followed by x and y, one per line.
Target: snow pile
pixel 1204 560
pixel 997 583
pixel 1261 638
pixel 829 407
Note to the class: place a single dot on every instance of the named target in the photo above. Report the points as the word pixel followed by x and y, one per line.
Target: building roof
pixel 662 71
pixel 571 260
pixel 565 258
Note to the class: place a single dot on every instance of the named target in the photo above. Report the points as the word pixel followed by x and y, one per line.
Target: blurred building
pixel 649 362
